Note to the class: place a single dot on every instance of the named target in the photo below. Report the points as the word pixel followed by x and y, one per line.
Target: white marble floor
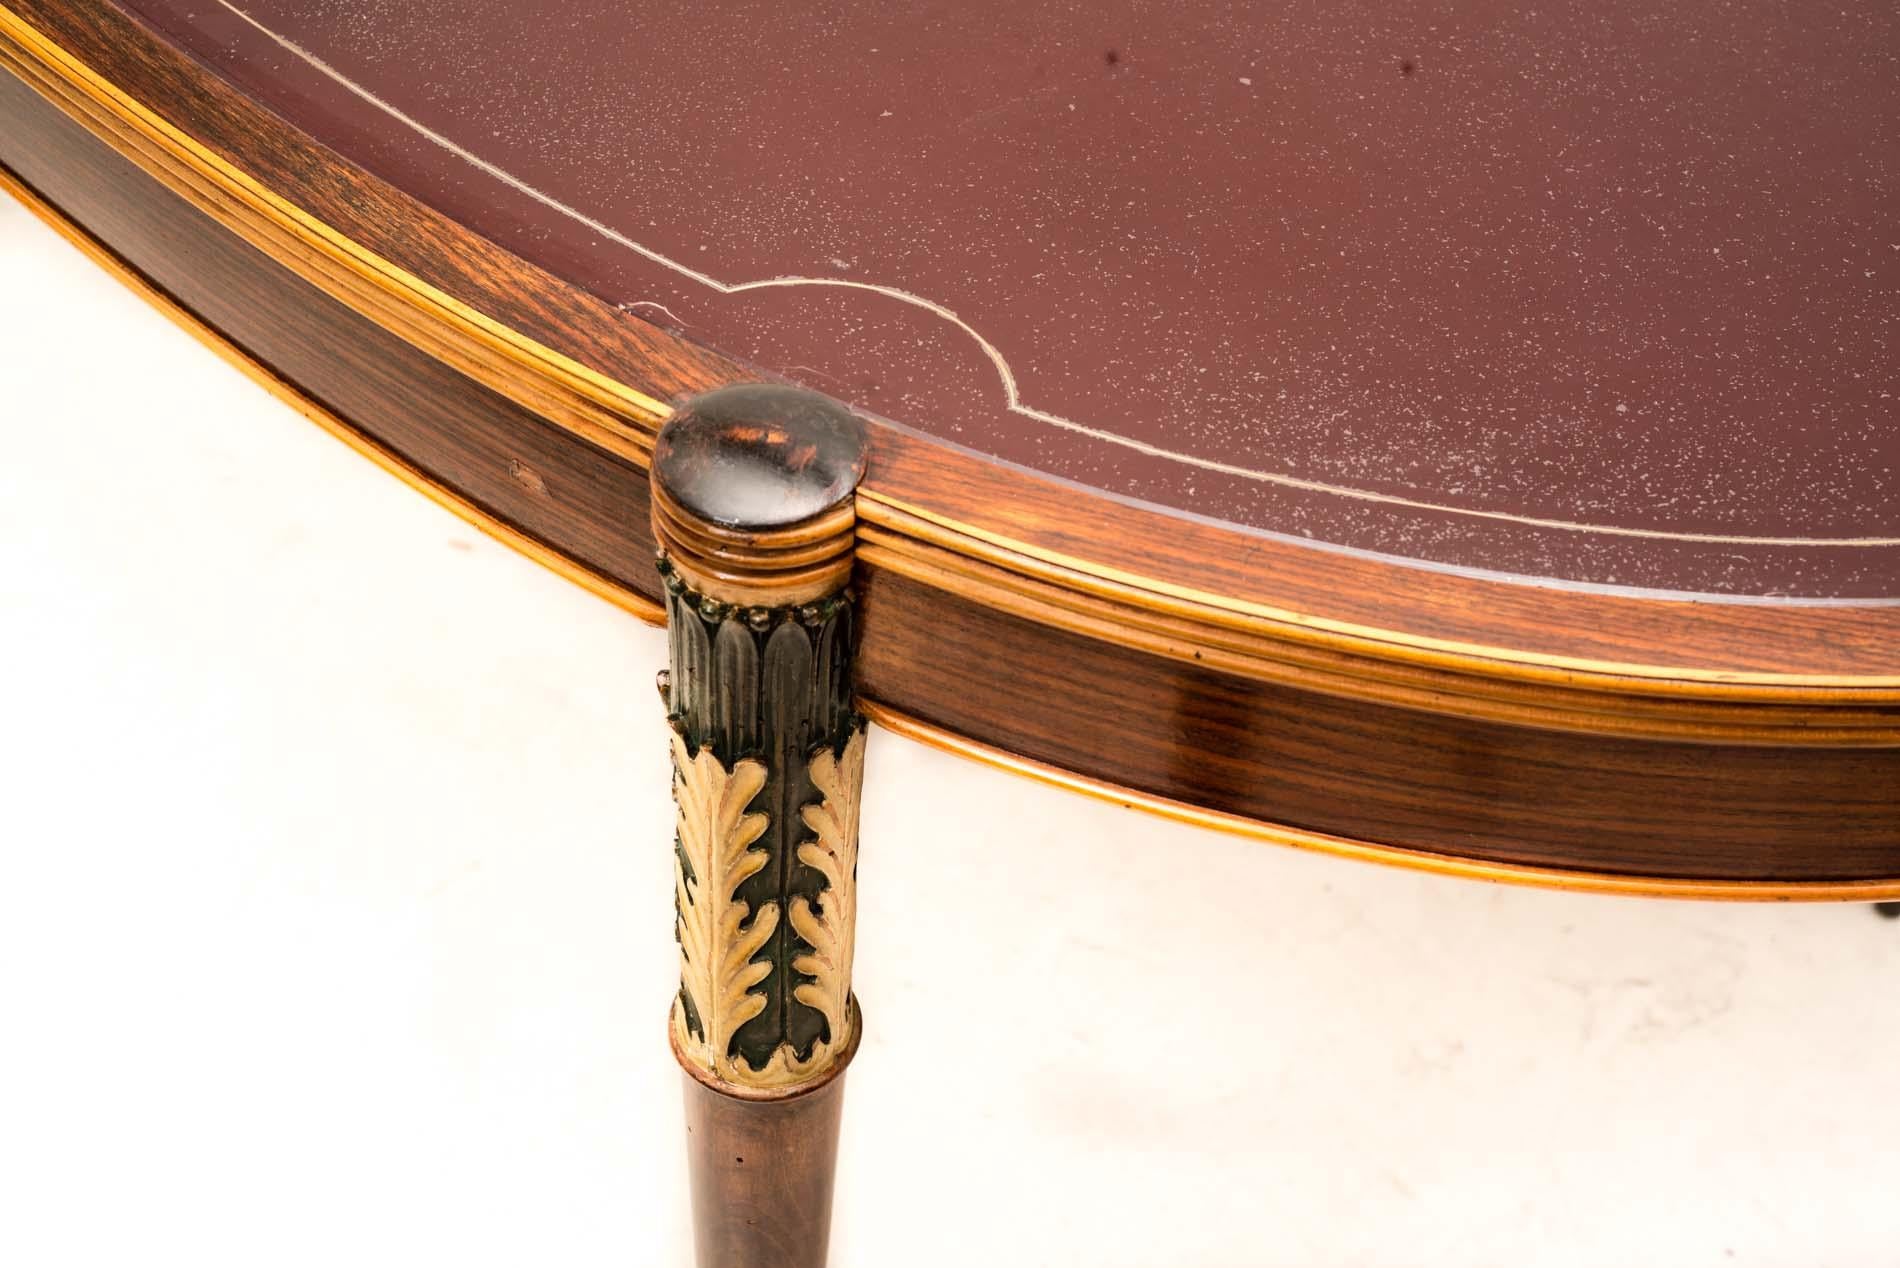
pixel 335 919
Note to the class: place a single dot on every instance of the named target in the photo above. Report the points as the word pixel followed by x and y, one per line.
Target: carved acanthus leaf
pixel 831 927
pixel 717 943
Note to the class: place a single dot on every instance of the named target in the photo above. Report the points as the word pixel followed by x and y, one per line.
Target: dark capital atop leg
pixel 753 512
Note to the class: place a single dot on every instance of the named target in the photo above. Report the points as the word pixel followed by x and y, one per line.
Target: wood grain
pixel 1398 777
pixel 520 468
pixel 762 1164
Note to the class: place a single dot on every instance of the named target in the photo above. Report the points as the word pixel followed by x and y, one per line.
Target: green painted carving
pixel 771 687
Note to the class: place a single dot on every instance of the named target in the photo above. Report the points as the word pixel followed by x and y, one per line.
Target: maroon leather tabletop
pixel 1590 292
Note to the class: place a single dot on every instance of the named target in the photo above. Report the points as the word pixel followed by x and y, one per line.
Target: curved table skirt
pixel 1713 795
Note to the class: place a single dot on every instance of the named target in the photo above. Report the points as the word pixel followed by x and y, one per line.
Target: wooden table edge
pixel 1202 705
pixel 1275 644
pixel 900 723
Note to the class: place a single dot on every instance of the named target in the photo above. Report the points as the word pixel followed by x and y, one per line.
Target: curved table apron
pixel 1463 437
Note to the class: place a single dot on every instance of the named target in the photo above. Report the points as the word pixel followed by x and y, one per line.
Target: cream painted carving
pixel 716 944
pixel 831 929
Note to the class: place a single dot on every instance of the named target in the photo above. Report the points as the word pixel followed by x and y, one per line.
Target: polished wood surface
pixel 762 1170
pixel 754 494
pixel 1328 693
pixel 1441 784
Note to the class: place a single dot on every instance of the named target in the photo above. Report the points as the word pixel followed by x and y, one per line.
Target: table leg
pixel 752 495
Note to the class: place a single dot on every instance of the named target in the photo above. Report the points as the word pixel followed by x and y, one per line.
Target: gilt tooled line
pixel 1012 396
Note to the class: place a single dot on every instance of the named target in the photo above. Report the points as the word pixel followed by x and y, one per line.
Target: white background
pixel 335 929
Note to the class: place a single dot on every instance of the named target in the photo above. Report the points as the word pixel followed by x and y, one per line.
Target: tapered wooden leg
pixel 753 512
pixel 1890 910
pixel 761 1168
